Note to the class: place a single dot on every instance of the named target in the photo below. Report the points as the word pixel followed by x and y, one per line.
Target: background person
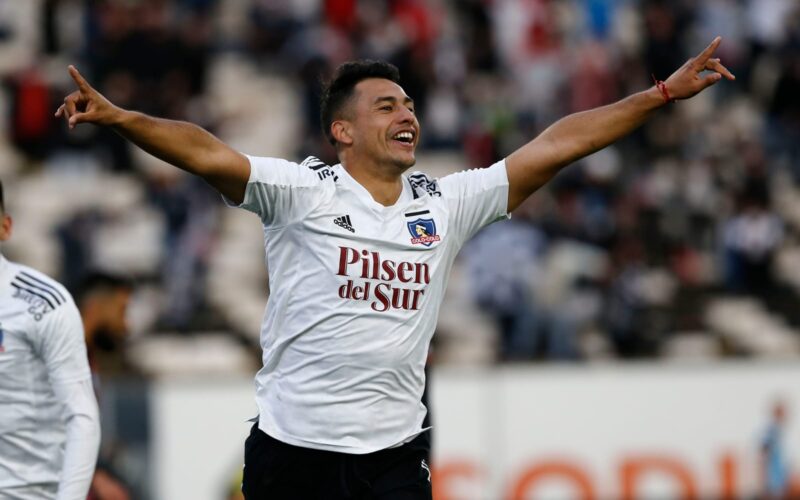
pixel 103 300
pixel 49 424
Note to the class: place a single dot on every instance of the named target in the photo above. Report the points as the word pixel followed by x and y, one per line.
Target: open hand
pixel 87 105
pixel 688 81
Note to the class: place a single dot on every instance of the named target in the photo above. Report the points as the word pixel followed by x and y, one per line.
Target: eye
pixel 387 107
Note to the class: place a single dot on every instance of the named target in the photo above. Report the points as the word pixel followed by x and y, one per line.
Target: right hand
pixel 87 105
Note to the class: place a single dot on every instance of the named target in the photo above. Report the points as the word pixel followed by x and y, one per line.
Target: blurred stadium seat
pixel 680 243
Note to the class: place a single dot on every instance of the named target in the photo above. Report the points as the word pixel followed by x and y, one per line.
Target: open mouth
pixel 405 137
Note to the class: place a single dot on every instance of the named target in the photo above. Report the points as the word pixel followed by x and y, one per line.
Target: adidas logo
pixel 427 469
pixel 344 221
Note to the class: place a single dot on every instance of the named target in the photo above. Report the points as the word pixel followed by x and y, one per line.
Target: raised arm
pixel 182 144
pixel 581 134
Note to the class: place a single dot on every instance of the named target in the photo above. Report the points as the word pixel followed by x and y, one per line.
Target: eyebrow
pixel 392 99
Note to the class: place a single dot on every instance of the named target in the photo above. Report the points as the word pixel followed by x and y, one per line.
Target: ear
pixel 5 227
pixel 342 132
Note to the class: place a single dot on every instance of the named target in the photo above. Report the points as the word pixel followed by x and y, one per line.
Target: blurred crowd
pixel 620 255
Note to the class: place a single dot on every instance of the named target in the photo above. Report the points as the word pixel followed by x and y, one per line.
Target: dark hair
pixel 100 281
pixel 340 89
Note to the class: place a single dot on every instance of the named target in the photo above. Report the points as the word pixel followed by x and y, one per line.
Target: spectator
pixel 103 301
pixel 487 75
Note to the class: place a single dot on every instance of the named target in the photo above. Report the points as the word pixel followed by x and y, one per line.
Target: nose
pixel 406 116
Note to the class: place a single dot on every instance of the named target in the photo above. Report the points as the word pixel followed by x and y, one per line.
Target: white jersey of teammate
pixel 49 425
pixel 355 293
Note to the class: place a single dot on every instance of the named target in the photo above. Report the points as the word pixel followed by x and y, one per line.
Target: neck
pixel 384 184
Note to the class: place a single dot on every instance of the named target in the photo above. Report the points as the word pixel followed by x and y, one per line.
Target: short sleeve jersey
pixel 355 293
pixel 41 344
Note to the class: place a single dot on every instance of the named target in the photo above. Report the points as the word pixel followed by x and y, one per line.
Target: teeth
pixel 405 135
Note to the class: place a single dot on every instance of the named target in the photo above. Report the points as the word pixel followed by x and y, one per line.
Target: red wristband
pixel 662 87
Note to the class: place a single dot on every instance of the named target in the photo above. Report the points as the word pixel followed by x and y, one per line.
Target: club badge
pixel 423 232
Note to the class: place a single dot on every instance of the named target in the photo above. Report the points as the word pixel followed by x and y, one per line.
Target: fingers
pixel 80 117
pixel 710 80
pixel 70 106
pixel 716 65
pixel 70 109
pixel 82 84
pixel 706 54
pixel 71 103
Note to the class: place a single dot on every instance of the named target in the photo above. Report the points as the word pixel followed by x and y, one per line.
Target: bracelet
pixel 662 87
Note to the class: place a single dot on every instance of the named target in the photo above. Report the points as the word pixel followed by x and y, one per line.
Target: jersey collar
pixel 361 192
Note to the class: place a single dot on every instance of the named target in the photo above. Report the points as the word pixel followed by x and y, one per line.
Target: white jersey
pixel 41 345
pixel 355 295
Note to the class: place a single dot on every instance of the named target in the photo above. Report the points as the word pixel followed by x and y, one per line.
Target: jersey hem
pixel 294 441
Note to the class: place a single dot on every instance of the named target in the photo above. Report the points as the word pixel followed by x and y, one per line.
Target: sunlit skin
pixel 366 137
pixel 379 109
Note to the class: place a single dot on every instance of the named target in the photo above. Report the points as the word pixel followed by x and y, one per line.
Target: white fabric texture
pixel 48 415
pixel 83 438
pixel 356 290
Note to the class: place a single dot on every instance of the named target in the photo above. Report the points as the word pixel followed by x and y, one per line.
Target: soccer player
pixel 49 424
pixel 103 300
pixel 358 256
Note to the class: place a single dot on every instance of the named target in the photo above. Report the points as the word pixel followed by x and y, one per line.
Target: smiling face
pixel 379 124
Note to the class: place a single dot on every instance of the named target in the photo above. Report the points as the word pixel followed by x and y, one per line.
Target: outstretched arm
pixel 182 144
pixel 581 134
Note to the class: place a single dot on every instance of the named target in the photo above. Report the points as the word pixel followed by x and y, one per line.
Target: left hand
pixel 688 81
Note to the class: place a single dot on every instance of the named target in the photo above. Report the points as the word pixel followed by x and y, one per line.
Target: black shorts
pixel 275 470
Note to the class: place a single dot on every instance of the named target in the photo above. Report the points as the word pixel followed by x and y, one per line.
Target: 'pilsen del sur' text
pixel 383 287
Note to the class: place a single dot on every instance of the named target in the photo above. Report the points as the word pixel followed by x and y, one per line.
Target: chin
pixel 406 162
